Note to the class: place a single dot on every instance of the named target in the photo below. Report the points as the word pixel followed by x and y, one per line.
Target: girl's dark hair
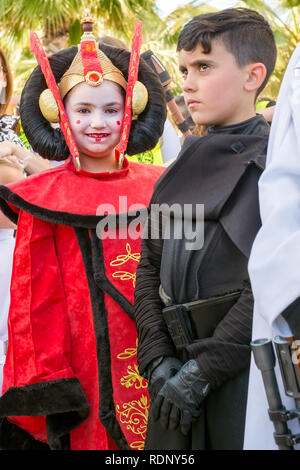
pixel 50 142
pixel 244 32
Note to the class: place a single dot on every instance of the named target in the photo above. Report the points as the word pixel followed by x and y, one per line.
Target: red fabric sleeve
pixel 39 347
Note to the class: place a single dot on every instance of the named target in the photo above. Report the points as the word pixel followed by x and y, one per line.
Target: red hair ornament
pixel 92 68
pixel 132 79
pixel 37 48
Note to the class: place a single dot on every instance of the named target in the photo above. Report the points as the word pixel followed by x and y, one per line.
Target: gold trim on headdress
pixel 139 99
pixel 79 73
pixel 75 75
pixel 48 106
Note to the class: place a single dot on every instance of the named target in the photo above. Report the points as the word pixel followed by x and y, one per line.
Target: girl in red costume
pixel 70 378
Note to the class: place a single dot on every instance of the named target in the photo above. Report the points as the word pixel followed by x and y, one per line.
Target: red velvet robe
pixel 71 377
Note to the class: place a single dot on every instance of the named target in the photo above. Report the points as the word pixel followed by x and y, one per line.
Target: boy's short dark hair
pixel 244 32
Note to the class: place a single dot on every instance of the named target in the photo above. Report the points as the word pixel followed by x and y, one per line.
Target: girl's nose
pixel 97 121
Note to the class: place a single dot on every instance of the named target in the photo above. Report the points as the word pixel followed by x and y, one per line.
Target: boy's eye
pixel 184 74
pixel 203 67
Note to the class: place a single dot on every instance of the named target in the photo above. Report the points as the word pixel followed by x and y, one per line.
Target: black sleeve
pixel 153 336
pixel 292 315
pixel 227 352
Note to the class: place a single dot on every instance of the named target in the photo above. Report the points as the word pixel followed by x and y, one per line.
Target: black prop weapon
pixel 265 360
pixel 165 80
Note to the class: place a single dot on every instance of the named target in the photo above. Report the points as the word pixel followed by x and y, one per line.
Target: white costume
pixel 7 244
pixel 170 147
pixel 274 265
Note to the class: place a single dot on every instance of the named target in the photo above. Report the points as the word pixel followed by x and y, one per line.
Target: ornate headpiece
pixel 92 66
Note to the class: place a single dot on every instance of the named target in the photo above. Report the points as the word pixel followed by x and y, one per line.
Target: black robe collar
pixel 208 169
pixel 256 125
pixel 221 172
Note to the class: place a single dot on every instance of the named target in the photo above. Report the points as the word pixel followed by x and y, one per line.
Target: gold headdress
pixel 92 66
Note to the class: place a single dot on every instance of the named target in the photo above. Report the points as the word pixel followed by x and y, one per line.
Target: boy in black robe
pixel 193 302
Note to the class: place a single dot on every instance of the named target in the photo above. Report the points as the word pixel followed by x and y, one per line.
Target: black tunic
pixel 221 171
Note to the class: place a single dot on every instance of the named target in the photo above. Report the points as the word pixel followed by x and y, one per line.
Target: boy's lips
pixel 191 103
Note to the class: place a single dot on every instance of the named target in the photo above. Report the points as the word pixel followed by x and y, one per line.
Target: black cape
pixel 220 171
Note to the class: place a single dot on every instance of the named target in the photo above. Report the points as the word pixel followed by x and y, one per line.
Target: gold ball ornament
pixel 48 106
pixel 139 98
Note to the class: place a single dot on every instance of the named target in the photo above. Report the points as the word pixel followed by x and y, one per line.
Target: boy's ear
pixel 256 74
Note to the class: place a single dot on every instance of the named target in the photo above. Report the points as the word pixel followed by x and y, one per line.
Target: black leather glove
pixel 159 371
pixel 179 400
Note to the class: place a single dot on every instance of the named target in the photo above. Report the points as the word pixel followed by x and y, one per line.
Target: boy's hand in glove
pixel 159 371
pixel 179 400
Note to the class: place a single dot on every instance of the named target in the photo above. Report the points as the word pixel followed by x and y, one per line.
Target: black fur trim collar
pixel 56 217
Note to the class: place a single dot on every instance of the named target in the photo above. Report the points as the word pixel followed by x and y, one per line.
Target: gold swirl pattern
pixel 125 276
pixel 135 416
pixel 122 259
pixel 127 354
pixel 133 378
pixel 135 413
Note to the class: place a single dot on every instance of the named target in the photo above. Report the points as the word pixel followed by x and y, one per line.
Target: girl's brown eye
pixel 111 111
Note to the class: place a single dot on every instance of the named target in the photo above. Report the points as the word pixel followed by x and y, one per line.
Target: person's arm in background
pixel 31 162
pixel 8 174
pixel 267 113
pixel 170 146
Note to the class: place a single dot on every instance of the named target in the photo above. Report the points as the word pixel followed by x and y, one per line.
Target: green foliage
pixel 290 3
pixel 57 22
pixel 22 16
pixel 283 17
pixel 75 33
pixel 162 38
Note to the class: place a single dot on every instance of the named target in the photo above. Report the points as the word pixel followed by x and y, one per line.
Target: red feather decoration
pixel 37 49
pixel 132 78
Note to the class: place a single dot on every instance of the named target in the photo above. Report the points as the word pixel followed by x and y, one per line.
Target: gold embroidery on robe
pixel 133 378
pixel 135 413
pixel 135 416
pixel 122 259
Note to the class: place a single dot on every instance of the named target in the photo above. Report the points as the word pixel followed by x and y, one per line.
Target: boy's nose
pixel 189 84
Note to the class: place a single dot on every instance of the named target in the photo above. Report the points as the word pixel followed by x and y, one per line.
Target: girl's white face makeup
pixel 95 115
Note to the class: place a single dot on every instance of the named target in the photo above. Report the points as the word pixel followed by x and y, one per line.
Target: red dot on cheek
pixel 118 122
pixel 78 122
